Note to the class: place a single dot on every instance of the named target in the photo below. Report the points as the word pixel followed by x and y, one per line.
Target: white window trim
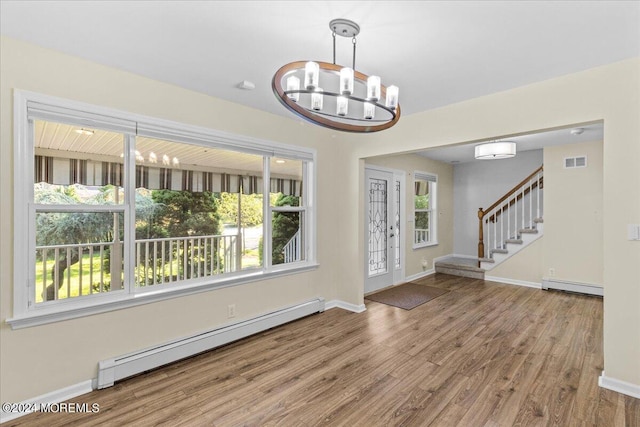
pixel 53 108
pixel 433 178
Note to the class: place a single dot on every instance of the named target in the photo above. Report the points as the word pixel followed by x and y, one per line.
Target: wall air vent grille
pixel 575 162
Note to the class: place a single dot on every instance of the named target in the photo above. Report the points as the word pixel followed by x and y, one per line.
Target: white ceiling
pixel 464 153
pixel 437 52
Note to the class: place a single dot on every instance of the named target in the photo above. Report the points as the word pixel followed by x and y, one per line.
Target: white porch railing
pixel 91 278
pixel 421 235
pixel 292 249
pixel 167 260
pixel 89 268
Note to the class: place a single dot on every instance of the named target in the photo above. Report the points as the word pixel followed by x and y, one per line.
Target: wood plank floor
pixel 483 354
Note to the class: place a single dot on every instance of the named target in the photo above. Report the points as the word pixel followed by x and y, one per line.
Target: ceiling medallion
pixel 335 96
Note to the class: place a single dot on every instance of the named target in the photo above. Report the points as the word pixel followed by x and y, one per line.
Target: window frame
pixel 432 180
pixel 30 106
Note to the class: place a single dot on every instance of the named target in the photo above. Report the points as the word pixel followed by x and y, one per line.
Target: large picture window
pixel 425 216
pixel 116 206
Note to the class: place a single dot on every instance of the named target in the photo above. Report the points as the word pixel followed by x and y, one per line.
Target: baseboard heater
pixel 563 285
pixel 115 369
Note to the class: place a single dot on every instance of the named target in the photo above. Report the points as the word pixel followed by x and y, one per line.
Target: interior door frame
pixel 396 275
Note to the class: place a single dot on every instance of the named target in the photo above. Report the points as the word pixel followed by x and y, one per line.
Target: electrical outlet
pixel 552 272
pixel 231 310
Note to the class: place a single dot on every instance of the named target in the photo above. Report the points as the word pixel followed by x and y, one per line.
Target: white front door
pixel 380 229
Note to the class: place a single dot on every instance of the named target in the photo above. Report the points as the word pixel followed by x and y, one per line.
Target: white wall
pixel 479 184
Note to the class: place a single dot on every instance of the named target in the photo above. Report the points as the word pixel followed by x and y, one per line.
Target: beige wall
pixel 573 230
pixel 525 266
pixel 573 214
pixel 610 93
pixel 38 360
pixel 410 163
pixel 72 348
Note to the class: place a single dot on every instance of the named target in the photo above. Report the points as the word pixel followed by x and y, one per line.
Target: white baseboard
pixel 420 275
pixel 565 285
pixel 56 396
pixel 619 386
pixel 345 306
pixel 513 282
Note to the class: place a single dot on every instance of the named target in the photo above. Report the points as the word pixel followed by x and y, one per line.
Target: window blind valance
pixel 422 181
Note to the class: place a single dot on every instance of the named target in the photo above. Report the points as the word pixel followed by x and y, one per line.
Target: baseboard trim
pixel 565 285
pixel 619 386
pixel 53 397
pixel 420 275
pixel 345 306
pixel 513 282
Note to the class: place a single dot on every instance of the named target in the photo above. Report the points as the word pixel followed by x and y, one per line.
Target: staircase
pixel 505 228
pixel 512 223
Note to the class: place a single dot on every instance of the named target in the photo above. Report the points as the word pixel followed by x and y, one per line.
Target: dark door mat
pixel 407 296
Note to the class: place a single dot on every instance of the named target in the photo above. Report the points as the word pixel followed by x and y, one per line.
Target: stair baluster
pixel 493 217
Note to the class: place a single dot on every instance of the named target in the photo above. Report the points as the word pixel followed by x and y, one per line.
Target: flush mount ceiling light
pixel 334 96
pixel 84 131
pixel 496 150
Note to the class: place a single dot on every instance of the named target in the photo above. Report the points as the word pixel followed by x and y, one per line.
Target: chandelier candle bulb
pixel 311 75
pixel 369 110
pixel 293 83
pixel 346 81
pixel 316 100
pixel 342 106
pixel 373 88
pixel 392 97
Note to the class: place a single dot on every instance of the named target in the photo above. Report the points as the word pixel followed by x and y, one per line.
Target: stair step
pixel 528 231
pixel 516 241
pixel 538 220
pixel 486 260
pixel 466 267
pixel 499 251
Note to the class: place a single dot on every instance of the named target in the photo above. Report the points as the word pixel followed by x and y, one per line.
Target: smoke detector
pixel 577 131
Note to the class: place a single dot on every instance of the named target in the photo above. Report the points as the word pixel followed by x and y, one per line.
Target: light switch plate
pixel 633 231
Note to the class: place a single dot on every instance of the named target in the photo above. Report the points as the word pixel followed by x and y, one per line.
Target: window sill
pixel 424 245
pixel 45 315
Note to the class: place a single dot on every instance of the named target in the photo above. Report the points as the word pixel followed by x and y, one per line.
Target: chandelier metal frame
pixel 289 97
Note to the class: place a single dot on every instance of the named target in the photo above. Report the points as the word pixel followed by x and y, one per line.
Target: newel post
pixel 480 234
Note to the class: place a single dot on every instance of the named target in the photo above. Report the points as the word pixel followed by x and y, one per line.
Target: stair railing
pixel 503 217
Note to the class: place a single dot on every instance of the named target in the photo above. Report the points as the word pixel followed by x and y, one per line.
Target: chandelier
pixel 334 96
pixel 495 150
